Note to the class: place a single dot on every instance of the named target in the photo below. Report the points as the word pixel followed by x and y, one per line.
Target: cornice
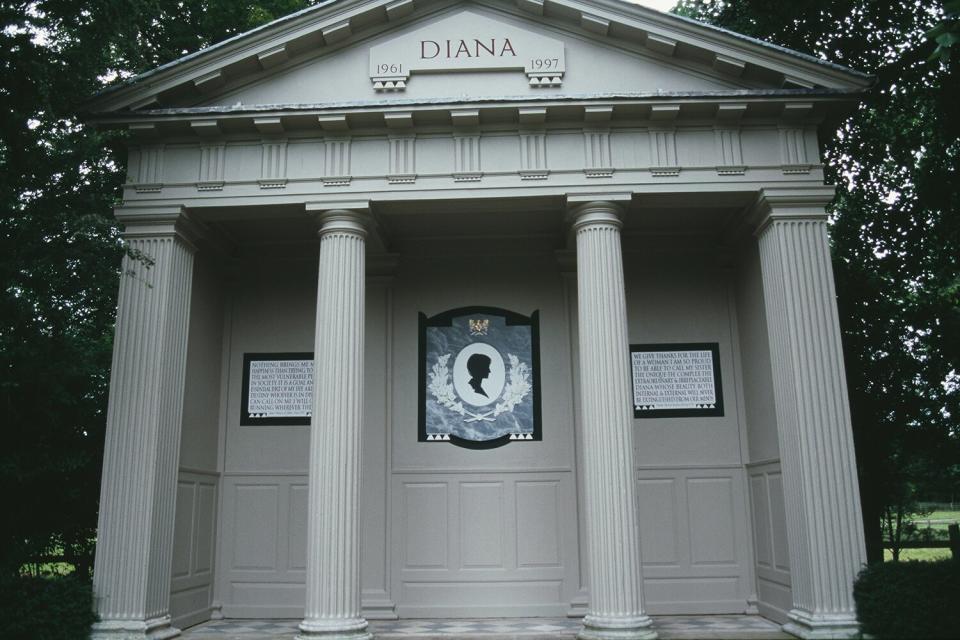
pixel 346 117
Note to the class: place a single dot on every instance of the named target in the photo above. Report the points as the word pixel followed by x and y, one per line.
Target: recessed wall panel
pixel 183 529
pixel 538 533
pixel 781 555
pixel 657 504
pixel 297 531
pixel 481 524
pixel 426 532
pixel 710 503
pixel 205 528
pixel 761 521
pixel 254 544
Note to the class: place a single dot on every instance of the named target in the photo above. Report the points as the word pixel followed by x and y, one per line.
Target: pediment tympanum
pixel 469 52
pixel 352 53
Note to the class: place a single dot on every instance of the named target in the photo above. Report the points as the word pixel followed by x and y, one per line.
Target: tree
pixel 60 248
pixel 895 233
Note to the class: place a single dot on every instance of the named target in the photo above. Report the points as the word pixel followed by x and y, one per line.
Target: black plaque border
pixel 246 420
pixel 714 348
pixel 445 319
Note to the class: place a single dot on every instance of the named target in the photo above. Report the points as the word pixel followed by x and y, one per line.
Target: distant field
pixel 939 521
pixel 949 516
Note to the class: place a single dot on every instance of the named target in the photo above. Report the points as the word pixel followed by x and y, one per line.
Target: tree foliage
pixel 895 233
pixel 60 248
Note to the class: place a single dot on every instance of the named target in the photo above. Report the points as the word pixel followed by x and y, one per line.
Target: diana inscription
pixel 430 49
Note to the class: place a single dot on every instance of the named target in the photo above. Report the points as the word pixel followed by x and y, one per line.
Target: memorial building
pixel 478 309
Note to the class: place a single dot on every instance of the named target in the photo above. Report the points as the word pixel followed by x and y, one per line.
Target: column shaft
pixel 142 449
pixel 813 419
pixel 616 582
pixel 333 543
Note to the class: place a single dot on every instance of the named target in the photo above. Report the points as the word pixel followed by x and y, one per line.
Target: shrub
pixel 45 608
pixel 909 599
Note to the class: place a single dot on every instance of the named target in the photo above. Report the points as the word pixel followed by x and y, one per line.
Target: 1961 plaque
pixel 277 389
pixel 676 380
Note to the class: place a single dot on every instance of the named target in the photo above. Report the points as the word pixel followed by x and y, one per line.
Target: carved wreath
pixel 518 386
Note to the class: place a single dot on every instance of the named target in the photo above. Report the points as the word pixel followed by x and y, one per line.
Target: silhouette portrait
pixel 478 365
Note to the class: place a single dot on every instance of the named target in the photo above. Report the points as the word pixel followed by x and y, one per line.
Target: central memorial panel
pixel 479 377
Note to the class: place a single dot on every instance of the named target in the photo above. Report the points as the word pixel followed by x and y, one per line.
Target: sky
pixel 662 5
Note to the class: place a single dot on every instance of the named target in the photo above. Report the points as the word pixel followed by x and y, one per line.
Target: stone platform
pixel 707 627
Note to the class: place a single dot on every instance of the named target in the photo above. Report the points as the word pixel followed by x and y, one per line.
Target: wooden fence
pixel 953 543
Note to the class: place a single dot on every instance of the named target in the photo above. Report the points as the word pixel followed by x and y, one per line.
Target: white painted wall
pixel 263 518
pixel 195 531
pixel 694 527
pixel 455 532
pixel 774 598
pixel 483 533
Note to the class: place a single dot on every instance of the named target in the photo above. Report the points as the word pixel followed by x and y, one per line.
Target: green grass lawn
pixel 927 555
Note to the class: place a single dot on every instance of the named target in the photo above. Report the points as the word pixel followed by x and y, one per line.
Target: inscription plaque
pixel 277 389
pixel 676 380
pixel 467 41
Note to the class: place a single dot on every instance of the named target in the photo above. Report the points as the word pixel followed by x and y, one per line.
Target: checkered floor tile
pixel 669 627
pixel 518 627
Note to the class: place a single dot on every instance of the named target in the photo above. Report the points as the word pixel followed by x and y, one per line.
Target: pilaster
pixel 813 416
pixel 333 526
pixel 616 584
pixel 137 496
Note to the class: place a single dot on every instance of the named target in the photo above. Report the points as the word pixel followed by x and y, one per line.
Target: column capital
pixel 596 209
pixel 352 217
pixel 794 203
pixel 159 221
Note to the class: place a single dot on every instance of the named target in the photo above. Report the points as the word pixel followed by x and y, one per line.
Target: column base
pixel 216 610
pixel 580 605
pixel 617 628
pixel 154 629
pixel 377 605
pixel 338 629
pixel 822 627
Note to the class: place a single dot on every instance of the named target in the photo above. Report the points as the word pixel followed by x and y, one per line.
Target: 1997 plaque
pixel 676 380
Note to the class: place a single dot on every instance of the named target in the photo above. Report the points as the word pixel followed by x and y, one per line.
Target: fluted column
pixel 616 582
pixel 821 494
pixel 137 497
pixel 333 542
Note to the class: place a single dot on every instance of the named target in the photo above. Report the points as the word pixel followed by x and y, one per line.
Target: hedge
pixel 45 608
pixel 909 599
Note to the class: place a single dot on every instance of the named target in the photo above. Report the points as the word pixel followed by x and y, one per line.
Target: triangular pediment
pixel 348 52
pixel 478 53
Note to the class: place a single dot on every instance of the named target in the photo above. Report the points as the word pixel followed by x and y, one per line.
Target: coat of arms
pixel 479 382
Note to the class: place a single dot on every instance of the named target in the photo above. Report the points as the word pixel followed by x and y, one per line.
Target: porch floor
pixel 705 627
